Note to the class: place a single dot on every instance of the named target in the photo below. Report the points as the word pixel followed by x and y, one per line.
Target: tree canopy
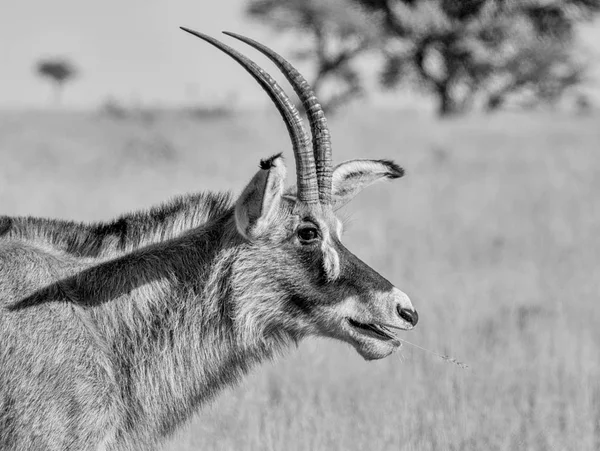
pixel 487 50
pixel 332 35
pixel 465 53
pixel 59 71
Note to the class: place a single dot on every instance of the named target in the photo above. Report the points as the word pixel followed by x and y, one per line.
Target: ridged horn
pixel 314 111
pixel 305 164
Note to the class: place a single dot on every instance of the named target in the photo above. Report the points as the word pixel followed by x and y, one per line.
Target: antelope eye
pixel 308 234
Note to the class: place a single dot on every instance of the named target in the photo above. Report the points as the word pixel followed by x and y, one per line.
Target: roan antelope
pixel 112 335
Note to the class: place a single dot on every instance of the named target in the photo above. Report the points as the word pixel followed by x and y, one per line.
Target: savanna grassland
pixel 494 233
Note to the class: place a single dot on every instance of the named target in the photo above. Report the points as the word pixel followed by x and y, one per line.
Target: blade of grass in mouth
pixel 447 358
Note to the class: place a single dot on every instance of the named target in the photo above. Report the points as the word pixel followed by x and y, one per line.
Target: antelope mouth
pixel 373 330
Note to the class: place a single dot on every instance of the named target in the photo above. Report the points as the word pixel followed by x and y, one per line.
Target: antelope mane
pixel 125 233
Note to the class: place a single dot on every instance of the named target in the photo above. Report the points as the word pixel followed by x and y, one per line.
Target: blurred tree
pixel 329 33
pixel 490 50
pixel 59 71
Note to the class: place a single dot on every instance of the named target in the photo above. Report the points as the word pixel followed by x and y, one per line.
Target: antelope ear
pixel 257 205
pixel 349 178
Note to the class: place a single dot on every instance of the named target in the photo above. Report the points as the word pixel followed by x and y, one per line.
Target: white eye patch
pixel 339 229
pixel 331 260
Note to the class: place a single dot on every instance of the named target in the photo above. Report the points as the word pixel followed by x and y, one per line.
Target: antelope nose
pixel 408 315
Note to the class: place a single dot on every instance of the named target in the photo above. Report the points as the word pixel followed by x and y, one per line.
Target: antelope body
pixel 114 334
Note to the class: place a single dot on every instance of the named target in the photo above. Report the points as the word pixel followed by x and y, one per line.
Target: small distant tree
pixel 59 72
pixel 330 34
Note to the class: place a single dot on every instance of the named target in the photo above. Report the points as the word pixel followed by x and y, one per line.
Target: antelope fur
pixel 113 334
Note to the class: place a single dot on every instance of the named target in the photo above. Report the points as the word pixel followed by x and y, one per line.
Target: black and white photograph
pixel 300 225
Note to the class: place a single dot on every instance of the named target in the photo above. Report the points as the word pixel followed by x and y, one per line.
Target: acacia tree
pixel 59 72
pixel 486 50
pixel 331 34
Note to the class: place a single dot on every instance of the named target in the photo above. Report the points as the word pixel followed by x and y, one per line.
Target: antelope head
pixel 311 283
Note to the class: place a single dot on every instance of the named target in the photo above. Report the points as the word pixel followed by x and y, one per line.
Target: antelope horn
pixel 314 111
pixel 305 164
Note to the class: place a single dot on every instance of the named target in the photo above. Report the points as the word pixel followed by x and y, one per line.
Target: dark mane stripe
pixel 5 224
pixel 125 233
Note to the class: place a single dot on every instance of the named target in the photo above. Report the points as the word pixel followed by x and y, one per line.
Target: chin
pixel 374 350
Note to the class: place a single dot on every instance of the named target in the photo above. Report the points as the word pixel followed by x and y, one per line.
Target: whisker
pixel 401 358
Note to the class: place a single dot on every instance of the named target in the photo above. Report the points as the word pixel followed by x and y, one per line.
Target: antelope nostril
pixel 410 316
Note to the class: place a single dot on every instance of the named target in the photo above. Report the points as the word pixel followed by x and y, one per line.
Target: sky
pixel 132 51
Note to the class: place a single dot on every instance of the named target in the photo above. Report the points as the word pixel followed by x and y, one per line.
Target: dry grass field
pixel 494 233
